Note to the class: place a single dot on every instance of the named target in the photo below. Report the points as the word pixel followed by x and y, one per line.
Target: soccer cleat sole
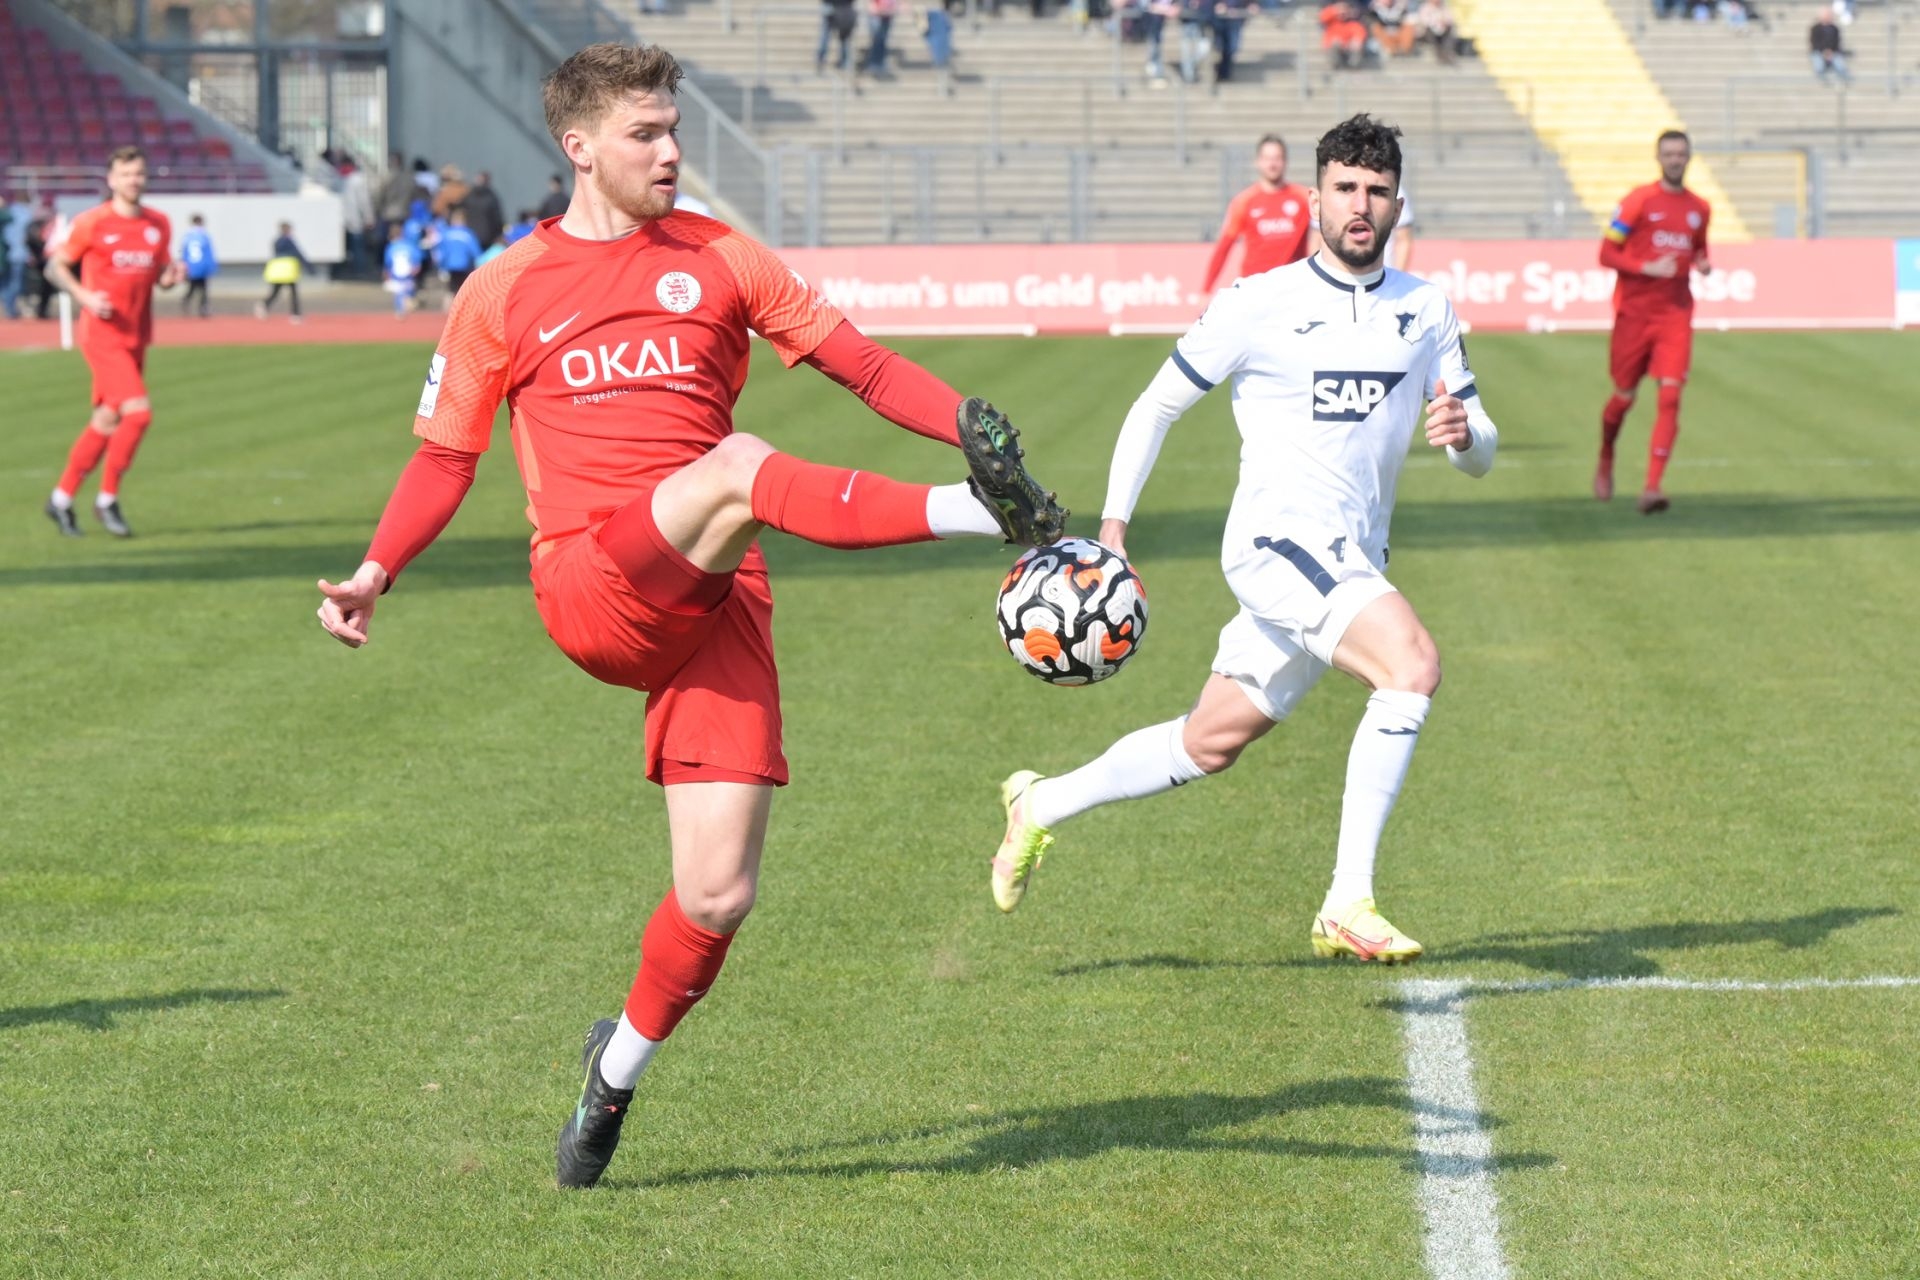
pixel 1027 513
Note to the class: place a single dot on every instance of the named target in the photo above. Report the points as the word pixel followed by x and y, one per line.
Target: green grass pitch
pixel 297 943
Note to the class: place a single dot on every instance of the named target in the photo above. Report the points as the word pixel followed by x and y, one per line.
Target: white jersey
pixel 1329 378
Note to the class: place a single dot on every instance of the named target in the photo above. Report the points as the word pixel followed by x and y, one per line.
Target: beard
pixel 1335 238
pixel 646 204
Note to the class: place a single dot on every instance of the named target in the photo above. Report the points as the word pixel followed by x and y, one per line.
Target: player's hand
pixel 347 611
pixel 1703 266
pixel 97 302
pixel 1113 536
pixel 171 275
pixel 1447 420
pixel 1664 268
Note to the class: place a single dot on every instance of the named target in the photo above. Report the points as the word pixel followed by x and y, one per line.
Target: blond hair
pixel 592 82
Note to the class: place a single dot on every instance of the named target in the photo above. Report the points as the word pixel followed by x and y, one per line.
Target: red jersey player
pixel 1657 238
pixel 113 257
pixel 617 336
pixel 1271 216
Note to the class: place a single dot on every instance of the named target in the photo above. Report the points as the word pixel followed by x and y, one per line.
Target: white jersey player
pixel 1330 360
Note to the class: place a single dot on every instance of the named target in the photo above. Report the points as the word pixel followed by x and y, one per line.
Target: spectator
pixel 403 263
pixel 1829 59
pixel 425 178
pixel 458 252
pixel 837 21
pixel 196 254
pixel 938 29
pixel 522 228
pixel 1151 23
pixel 282 272
pixel 14 216
pixel 492 251
pixel 1196 30
pixel 395 196
pixel 1343 35
pixel 1393 26
pixel 1436 29
pixel 356 215
pixel 40 230
pixel 554 204
pixel 879 23
pixel 1665 8
pixel 1229 16
pixel 453 190
pixel 485 215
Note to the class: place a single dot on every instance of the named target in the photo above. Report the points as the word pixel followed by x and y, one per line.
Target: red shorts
pixel 713 696
pixel 118 374
pixel 1659 345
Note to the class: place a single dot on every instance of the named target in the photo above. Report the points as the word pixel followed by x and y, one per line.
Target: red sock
pixel 839 508
pixel 121 447
pixel 1612 418
pixel 82 459
pixel 678 962
pixel 1666 426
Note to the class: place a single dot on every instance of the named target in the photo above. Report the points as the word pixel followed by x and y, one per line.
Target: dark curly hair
pixel 1360 141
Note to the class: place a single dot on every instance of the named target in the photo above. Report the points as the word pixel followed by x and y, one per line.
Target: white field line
pixel 1456 1151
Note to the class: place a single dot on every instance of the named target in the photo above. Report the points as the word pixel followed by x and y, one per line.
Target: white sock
pixel 626 1055
pixel 953 512
pixel 62 499
pixel 105 499
pixel 1144 763
pixel 1376 768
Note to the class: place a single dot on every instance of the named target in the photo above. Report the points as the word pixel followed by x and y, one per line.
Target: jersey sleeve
pixel 164 251
pixel 1449 367
pixel 1231 229
pixel 1216 347
pixel 78 241
pixel 1706 220
pixel 467 379
pixel 779 304
pixel 1625 218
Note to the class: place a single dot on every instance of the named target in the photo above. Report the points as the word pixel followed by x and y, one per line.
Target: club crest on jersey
pixel 1406 319
pixel 1344 395
pixel 678 292
pixel 153 235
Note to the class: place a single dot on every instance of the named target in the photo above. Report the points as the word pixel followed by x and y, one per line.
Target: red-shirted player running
pixel 1271 216
pixel 617 335
pixel 113 257
pixel 1657 238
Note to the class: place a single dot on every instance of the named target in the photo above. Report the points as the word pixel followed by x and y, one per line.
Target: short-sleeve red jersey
pixel 619 361
pixel 1274 225
pixel 122 258
pixel 1650 223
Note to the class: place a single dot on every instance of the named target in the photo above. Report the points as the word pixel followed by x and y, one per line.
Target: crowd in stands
pixel 841 20
pixel 1735 13
pixel 1362 33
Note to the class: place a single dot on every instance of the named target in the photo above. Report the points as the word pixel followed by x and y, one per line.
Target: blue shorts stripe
pixel 1193 375
pixel 1299 558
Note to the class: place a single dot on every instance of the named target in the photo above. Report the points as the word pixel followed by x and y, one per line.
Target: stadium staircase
pixel 67 98
pixel 1571 67
pixel 1046 130
pixel 1763 118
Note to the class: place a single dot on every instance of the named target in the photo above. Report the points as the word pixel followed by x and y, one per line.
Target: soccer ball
pixel 1072 613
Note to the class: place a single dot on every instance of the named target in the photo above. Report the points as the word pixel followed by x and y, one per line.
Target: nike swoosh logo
pixel 1367 947
pixel 1310 326
pixel 845 496
pixel 1399 733
pixel 1655 217
pixel 548 335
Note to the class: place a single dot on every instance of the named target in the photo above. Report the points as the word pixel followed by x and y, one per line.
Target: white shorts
pixel 1297 598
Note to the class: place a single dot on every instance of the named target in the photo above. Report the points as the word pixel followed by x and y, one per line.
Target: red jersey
pixel 1274 225
pixel 619 361
pixel 1650 223
pixel 122 258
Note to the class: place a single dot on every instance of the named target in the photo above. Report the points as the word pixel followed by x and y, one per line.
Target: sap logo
pixel 582 367
pixel 1350 396
pixel 1676 240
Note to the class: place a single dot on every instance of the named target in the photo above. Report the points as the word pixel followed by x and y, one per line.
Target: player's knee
pixel 106 421
pixel 139 404
pixel 737 460
pixel 721 906
pixel 1416 669
pixel 1212 752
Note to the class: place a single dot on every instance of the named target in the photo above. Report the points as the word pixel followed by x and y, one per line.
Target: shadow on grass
pixel 1195 1122
pixel 1570 953
pixel 98 1015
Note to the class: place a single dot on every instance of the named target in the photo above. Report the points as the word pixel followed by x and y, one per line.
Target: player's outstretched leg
pixel 1144 763
pixel 1386 648
pixel 1612 418
pixel 1027 513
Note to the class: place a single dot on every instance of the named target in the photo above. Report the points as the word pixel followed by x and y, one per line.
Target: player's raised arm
pixel 1456 419
pixel 465 384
